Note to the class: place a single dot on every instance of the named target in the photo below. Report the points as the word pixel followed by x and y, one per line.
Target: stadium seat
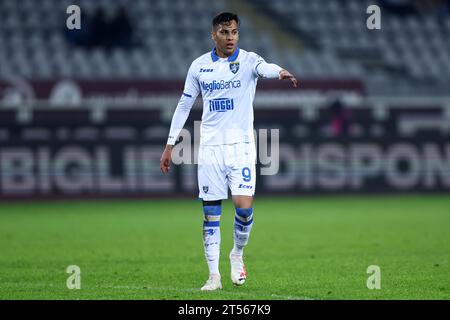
pixel 33 43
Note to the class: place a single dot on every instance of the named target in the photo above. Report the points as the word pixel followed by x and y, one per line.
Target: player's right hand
pixel 284 74
pixel 166 157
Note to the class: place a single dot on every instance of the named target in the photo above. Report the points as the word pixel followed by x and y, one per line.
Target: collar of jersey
pixel 233 57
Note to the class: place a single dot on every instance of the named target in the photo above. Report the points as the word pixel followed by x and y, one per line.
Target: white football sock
pixel 211 236
pixel 211 242
pixel 243 223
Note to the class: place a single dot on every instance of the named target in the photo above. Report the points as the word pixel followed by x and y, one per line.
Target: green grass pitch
pixel 300 248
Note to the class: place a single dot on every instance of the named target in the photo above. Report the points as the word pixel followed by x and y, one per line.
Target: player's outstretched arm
pixel 284 74
pixel 272 71
pixel 166 158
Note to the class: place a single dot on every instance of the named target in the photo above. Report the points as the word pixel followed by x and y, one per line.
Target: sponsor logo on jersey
pixel 206 70
pixel 220 85
pixel 234 67
pixel 221 105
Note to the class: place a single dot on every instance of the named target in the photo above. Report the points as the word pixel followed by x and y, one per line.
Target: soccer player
pixel 226 77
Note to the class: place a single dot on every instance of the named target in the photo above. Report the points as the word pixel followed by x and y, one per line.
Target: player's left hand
pixel 284 74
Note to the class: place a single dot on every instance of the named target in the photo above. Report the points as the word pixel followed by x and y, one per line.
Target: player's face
pixel 226 37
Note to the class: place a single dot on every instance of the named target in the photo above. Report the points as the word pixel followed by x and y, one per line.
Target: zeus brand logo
pixel 243 186
pixel 220 85
pixel 221 105
pixel 206 70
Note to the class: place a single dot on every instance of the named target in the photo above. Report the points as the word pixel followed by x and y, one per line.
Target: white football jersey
pixel 228 88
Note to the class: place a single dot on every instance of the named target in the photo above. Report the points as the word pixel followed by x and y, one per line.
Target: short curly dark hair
pixel 224 17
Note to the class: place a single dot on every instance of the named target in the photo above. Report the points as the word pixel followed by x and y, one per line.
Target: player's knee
pixel 212 211
pixel 243 201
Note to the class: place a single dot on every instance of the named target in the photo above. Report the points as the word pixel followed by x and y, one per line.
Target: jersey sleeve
pixel 263 69
pixel 191 85
pixel 190 92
